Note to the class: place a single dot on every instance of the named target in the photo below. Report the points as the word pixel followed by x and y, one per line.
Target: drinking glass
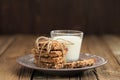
pixel 73 40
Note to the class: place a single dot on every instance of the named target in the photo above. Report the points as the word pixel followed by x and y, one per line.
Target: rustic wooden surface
pixel 42 16
pixel 12 47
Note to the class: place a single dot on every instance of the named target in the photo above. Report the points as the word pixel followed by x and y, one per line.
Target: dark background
pixel 42 16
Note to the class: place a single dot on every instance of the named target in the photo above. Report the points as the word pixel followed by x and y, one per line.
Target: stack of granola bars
pixel 49 53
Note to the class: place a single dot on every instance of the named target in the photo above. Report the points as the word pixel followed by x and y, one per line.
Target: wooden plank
pixel 11 70
pixel 59 78
pixel 26 16
pixel 5 9
pixel 98 46
pixel 42 76
pixel 5 42
pixel 88 75
pixel 15 15
pixel 114 44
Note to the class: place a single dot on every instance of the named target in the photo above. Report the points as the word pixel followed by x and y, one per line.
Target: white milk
pixel 73 49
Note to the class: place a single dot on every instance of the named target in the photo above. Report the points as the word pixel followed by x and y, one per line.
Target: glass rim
pixel 71 32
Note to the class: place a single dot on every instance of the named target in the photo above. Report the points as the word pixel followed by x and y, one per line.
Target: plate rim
pixel 18 60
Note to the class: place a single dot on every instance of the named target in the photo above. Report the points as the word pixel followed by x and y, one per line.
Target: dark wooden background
pixel 42 16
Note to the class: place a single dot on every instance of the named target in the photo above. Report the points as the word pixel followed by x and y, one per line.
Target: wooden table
pixel 12 47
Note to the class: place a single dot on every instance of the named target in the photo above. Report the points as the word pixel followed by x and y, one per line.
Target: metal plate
pixel 28 61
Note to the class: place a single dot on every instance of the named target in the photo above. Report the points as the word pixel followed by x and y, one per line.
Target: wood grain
pixel 98 46
pixel 42 16
pixel 88 75
pixel 5 42
pixel 114 44
pixel 9 69
pixel 106 46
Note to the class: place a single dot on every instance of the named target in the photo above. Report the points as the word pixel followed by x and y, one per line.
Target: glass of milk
pixel 73 40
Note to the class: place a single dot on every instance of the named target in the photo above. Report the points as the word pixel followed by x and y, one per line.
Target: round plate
pixel 28 61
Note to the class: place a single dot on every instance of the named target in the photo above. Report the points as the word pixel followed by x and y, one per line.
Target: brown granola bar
pixel 50 54
pixel 50 60
pixel 49 65
pixel 80 63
